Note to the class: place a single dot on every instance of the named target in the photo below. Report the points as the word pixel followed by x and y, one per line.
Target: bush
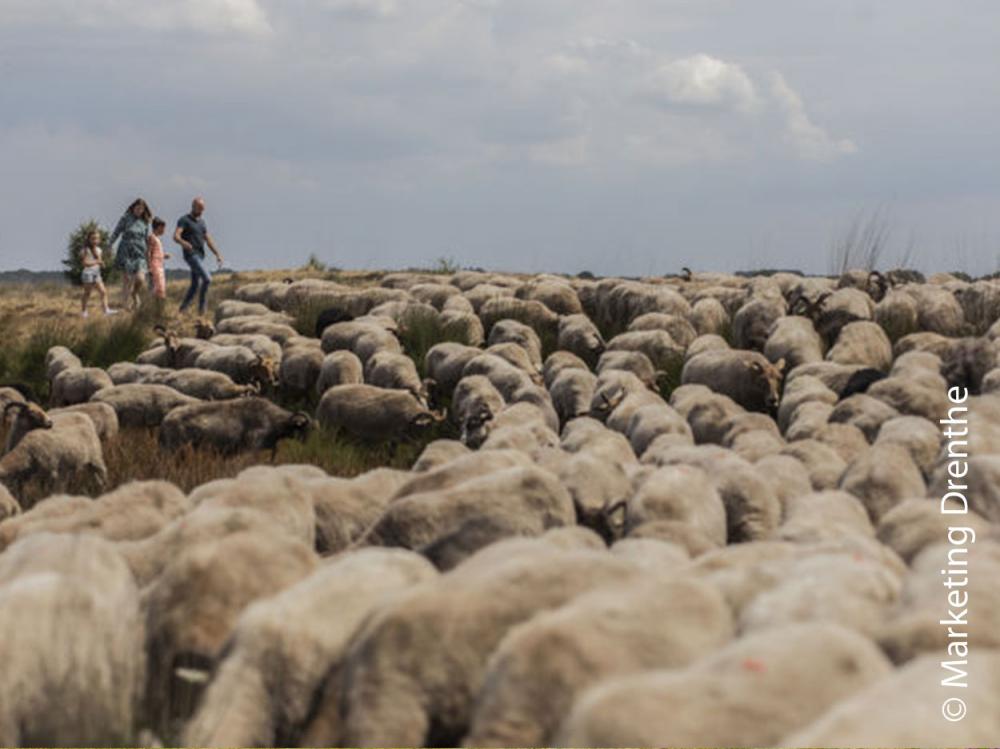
pixel 100 344
pixel 73 263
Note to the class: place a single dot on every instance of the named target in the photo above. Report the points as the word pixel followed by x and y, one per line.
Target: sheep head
pixel 204 329
pixel 28 416
pixel 771 376
pixel 264 372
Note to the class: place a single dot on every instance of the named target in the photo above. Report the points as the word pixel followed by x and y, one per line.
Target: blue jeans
pixel 200 281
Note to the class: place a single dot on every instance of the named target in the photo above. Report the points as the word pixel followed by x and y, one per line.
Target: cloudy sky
pixel 633 136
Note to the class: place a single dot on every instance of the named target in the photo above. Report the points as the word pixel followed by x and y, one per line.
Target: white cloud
pixel 809 139
pixel 205 16
pixel 364 9
pixel 704 81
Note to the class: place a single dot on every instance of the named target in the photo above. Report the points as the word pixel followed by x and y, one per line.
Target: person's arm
pixel 180 240
pixel 119 228
pixel 150 243
pixel 211 245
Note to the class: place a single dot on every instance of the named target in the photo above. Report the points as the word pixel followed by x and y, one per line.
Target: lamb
pixel 541 666
pixel 767 684
pixel 72 386
pixel 282 648
pixel 231 427
pixel 372 413
pixel 391 698
pixel 241 364
pixel 746 377
pixel 475 404
pixel 73 664
pixel 527 500
pixel 579 336
pixel 65 455
pixel 139 405
pixel 904 709
pixel 794 340
pixel 395 372
pixel 512 331
pixel 572 392
pixel 191 608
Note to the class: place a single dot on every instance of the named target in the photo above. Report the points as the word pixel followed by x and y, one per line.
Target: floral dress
pixel 131 256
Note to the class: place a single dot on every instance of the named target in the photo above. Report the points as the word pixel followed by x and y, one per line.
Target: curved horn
pixel 13 405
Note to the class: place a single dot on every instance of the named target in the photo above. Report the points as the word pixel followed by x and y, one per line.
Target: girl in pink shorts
pixel 155 258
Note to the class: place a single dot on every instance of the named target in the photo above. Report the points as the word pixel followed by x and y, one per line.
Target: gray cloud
pixel 557 135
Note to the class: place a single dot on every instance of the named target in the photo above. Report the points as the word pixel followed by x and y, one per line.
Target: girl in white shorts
pixel 91 275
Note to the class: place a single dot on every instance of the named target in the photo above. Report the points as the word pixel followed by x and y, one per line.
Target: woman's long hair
pixel 147 214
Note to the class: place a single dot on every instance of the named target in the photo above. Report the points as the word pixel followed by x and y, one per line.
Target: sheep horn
pixel 11 406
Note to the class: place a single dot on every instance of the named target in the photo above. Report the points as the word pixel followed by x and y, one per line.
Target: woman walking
pixel 133 228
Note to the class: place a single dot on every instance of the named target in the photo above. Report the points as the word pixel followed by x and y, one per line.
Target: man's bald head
pixel 197 207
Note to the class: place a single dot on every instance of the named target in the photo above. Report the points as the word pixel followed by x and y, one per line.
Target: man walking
pixel 192 235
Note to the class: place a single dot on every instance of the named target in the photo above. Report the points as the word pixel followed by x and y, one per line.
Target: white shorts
pixel 91 275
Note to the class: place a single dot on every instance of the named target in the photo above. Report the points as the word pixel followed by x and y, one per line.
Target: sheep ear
pixel 780 365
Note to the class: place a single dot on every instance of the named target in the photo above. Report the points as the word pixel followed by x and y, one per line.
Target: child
pixel 155 257
pixel 90 256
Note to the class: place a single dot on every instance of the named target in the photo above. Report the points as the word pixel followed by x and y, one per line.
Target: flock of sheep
pixel 753 559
